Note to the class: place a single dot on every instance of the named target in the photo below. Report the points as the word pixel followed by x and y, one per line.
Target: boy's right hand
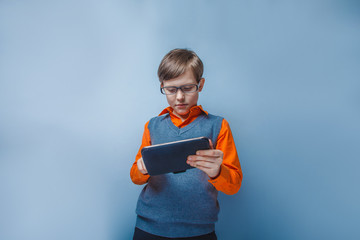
pixel 141 166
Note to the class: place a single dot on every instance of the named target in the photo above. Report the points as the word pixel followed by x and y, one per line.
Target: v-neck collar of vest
pixel 180 131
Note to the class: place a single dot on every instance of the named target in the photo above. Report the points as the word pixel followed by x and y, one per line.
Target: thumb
pixel 211 144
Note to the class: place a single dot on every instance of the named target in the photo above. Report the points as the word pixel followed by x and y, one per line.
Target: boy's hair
pixel 177 61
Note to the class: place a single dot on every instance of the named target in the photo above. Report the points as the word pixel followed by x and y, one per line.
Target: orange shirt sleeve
pixel 136 176
pixel 230 177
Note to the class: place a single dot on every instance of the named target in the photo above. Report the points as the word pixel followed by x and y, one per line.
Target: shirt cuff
pixel 221 178
pixel 139 178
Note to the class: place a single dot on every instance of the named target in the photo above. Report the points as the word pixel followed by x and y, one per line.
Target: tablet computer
pixel 171 157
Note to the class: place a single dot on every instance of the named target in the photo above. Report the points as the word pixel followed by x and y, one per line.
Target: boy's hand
pixel 208 161
pixel 141 166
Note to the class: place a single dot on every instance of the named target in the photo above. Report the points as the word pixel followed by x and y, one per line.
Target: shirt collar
pixel 194 108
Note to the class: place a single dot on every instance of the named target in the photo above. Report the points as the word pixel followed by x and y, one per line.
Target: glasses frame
pixel 162 89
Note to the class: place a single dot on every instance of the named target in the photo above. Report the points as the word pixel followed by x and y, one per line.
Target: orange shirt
pixel 230 177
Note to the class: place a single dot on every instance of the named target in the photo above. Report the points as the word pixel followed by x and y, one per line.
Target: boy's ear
pixel 201 84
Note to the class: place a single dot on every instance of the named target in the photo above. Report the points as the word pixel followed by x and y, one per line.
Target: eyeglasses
pixel 189 88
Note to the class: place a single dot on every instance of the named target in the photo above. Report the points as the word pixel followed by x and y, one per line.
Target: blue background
pixel 78 82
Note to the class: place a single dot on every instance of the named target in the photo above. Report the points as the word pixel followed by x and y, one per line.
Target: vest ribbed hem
pixel 173 230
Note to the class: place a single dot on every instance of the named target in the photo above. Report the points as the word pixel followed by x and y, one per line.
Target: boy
pixel 184 205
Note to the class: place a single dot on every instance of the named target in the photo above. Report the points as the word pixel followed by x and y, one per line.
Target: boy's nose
pixel 180 95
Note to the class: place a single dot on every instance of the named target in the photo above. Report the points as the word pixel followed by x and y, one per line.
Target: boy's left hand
pixel 208 161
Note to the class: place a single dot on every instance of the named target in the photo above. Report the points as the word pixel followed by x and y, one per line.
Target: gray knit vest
pixel 182 204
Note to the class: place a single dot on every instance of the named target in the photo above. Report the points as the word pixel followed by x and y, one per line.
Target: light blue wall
pixel 78 82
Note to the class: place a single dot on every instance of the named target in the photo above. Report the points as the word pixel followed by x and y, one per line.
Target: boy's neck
pixel 181 117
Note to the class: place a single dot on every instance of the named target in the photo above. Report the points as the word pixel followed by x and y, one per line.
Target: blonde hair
pixel 177 61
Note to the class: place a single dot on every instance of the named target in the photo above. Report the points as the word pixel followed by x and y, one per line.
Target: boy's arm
pixel 229 179
pixel 136 176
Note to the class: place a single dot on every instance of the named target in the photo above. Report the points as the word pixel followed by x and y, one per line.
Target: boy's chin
pixel 182 113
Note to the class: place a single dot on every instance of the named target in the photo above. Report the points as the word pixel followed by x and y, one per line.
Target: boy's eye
pixel 171 90
pixel 188 88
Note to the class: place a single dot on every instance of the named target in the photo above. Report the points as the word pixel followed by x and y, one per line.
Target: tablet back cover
pixel 171 157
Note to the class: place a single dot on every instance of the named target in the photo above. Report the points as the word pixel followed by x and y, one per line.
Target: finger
pixel 201 167
pixel 204 169
pixel 211 144
pixel 139 164
pixel 142 167
pixel 203 158
pixel 211 153
pixel 204 164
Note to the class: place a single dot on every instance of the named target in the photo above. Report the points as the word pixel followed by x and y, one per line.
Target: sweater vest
pixel 179 204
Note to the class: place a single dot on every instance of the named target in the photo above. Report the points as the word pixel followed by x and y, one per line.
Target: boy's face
pixel 182 102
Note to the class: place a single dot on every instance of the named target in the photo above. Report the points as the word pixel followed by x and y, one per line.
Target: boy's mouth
pixel 181 105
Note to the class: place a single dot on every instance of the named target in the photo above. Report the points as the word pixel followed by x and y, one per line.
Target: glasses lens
pixel 189 88
pixel 170 90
